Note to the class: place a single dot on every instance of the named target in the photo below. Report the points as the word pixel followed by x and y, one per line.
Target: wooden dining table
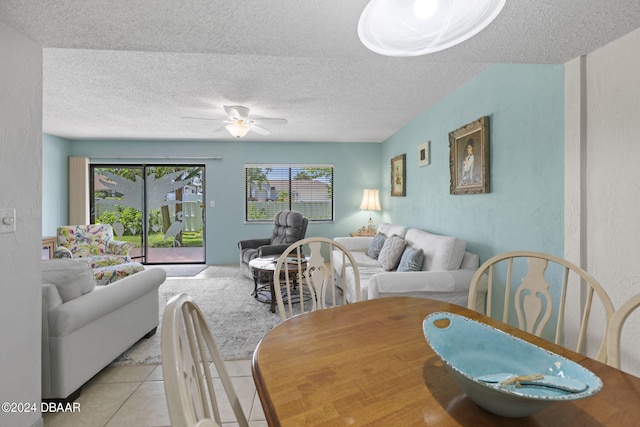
pixel 368 363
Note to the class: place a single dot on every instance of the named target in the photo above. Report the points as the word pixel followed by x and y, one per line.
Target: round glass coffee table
pixel 263 270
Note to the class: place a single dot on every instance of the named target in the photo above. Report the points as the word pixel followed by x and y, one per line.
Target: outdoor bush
pixel 130 218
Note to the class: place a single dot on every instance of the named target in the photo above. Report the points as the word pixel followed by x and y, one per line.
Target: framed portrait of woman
pixel 398 175
pixel 469 158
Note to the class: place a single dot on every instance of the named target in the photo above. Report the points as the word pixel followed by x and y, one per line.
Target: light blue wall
pixel 525 208
pixel 355 169
pixel 55 183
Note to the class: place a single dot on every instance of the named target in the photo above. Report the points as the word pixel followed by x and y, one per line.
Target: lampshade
pixel 418 27
pixel 370 200
pixel 238 128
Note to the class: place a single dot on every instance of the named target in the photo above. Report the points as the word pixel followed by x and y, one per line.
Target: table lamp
pixel 370 202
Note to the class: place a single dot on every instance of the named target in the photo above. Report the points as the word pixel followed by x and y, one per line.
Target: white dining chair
pixel 539 287
pixel 207 422
pixel 187 347
pixel 304 280
pixel 615 330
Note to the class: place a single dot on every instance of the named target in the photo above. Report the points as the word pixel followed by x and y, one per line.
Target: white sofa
pixel 445 273
pixel 85 327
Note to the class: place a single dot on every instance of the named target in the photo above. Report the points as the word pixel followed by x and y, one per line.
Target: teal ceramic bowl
pixel 470 349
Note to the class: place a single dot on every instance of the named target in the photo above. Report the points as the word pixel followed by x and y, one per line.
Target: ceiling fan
pixel 239 122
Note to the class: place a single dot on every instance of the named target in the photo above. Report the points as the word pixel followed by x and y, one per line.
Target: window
pixel 304 188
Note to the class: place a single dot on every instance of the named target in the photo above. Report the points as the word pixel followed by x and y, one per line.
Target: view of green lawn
pixel 157 240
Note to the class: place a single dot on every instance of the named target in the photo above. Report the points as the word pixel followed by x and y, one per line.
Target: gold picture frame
pixel 398 175
pixel 469 158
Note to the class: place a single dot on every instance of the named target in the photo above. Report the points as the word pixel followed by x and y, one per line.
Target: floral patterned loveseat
pixel 109 258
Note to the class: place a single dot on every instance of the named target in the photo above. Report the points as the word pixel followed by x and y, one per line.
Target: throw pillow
pixel 440 252
pixel 72 277
pixel 391 252
pixel 376 245
pixel 411 260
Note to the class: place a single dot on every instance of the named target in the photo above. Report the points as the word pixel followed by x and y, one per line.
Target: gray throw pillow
pixel 391 252
pixel 411 260
pixel 376 245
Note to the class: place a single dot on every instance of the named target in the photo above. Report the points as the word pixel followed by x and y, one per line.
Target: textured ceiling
pixel 134 69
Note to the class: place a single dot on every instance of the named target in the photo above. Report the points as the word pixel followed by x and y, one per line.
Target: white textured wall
pixel 20 188
pixel 602 180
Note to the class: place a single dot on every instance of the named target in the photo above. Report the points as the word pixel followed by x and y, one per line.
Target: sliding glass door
pixel 159 208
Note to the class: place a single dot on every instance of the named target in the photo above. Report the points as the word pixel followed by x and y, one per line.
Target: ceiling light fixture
pixel 419 27
pixel 238 128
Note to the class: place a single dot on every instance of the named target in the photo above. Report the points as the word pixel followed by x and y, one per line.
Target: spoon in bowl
pixel 551 381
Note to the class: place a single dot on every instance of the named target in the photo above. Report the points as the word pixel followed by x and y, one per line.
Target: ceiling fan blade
pixel 199 118
pixel 221 121
pixel 259 129
pixel 269 120
pixel 237 112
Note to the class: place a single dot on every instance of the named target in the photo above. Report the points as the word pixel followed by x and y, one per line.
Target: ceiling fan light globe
pixel 237 129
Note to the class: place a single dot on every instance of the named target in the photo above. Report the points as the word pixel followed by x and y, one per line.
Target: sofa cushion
pixel 365 274
pixel 411 260
pixel 111 273
pixel 98 261
pixel 440 252
pixel 391 252
pixel 72 277
pixel 392 229
pixel 373 251
pixel 362 260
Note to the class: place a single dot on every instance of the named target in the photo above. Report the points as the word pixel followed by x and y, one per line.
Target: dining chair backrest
pixel 302 277
pixel 547 286
pixel 615 330
pixel 188 347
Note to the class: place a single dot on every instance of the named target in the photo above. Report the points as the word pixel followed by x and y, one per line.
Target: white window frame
pixel 262 210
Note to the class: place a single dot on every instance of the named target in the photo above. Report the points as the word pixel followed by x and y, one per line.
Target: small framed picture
pixel 398 175
pixel 423 154
pixel 469 158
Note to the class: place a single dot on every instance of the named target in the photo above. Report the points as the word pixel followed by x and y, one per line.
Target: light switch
pixel 7 220
pixel 212 204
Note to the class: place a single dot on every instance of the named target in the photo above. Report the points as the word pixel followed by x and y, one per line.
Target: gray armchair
pixel 289 227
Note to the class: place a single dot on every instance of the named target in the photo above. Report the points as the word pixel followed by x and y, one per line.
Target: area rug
pixel 183 270
pixel 237 320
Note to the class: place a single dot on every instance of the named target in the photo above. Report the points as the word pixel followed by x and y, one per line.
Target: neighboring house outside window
pixel 272 188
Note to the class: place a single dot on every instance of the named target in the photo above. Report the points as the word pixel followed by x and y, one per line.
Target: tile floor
pixel 133 396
